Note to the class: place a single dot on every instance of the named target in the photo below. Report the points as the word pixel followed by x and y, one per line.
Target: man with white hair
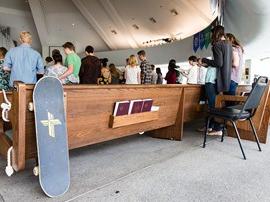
pixel 23 61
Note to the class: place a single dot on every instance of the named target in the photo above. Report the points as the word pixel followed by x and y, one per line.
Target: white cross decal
pixel 51 123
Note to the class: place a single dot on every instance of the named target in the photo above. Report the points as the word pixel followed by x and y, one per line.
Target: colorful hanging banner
pixel 202 40
pixel 196 42
pixel 207 36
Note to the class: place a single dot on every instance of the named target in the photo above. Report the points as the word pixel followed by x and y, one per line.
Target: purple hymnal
pixel 135 106
pixel 147 105
pixel 121 108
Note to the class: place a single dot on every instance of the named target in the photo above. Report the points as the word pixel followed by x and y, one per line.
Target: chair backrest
pixel 256 94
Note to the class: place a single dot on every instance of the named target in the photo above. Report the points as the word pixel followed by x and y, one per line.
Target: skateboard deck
pixel 51 136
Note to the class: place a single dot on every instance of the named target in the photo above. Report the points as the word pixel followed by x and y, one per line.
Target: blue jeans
pixel 233 88
pixel 211 93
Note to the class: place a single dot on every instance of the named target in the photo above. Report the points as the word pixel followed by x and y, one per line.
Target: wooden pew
pixel 88 111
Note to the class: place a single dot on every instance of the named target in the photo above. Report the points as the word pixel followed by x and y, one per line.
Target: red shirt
pixel 171 77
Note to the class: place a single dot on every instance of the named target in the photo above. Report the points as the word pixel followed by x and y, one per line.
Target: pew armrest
pixel 220 99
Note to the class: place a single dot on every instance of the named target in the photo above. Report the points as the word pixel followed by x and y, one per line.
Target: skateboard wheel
pixel 36 171
pixel 31 106
pixel 141 133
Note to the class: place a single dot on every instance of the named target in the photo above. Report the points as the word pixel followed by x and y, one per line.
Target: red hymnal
pixel 147 105
pixel 121 108
pixel 135 106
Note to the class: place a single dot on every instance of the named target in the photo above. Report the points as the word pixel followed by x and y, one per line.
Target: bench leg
pixel 238 138
pixel 206 131
pixel 255 134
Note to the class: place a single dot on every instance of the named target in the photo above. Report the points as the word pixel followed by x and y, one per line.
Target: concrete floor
pixel 140 168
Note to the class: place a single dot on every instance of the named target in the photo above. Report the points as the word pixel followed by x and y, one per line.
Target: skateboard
pixel 51 137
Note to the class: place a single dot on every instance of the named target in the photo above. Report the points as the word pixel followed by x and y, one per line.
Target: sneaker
pixel 203 129
pixel 215 133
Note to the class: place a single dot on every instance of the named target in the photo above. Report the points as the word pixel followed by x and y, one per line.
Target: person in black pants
pixel 222 61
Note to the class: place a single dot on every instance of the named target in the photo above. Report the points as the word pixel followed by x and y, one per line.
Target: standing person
pixel 210 94
pixel 201 74
pixel 192 72
pixel 237 63
pixel 222 61
pixel 222 53
pixel 56 51
pixel 154 75
pixel 49 62
pixel 106 77
pixel 58 69
pixel 133 71
pixel 4 75
pixel 160 77
pixel 146 69
pixel 171 75
pixel 24 62
pixel 115 74
pixel 90 67
pixel 72 62
pixel 210 86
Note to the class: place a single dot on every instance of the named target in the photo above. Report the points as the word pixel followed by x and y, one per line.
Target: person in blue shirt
pixel 23 62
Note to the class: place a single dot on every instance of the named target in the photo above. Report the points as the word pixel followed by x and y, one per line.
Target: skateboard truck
pixel 9 169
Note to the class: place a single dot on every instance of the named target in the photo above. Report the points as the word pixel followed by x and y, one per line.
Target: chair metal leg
pixel 206 130
pixel 238 138
pixel 255 134
pixel 224 130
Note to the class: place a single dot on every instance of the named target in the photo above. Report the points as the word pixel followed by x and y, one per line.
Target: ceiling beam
pixel 112 12
pixel 12 11
pixel 93 22
pixel 40 22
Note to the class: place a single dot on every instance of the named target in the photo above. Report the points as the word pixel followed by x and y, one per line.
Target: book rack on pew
pixel 130 119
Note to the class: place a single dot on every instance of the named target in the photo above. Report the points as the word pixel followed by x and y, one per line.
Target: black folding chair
pixel 240 112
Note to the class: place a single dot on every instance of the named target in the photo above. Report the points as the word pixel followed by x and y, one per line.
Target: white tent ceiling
pixel 94 21
pixel 249 21
pixel 105 24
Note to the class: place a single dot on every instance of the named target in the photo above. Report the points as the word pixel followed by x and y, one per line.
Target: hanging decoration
pixel 207 36
pixel 196 42
pixel 202 40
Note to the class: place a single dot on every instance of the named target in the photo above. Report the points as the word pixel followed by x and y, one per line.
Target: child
pixel 192 73
pixel 73 62
pixel 58 69
pixel 4 75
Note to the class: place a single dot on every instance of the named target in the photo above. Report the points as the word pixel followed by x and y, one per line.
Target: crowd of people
pixel 221 74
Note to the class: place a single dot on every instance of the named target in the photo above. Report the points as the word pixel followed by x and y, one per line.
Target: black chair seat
pixel 229 113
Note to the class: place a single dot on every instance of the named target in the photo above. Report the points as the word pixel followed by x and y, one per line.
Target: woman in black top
pixel 222 59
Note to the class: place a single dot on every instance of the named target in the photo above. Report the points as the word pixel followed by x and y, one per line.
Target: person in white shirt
pixel 192 72
pixel 154 75
pixel 201 75
pixel 133 71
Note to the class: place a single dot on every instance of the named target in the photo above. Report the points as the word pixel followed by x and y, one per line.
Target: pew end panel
pixel 189 109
